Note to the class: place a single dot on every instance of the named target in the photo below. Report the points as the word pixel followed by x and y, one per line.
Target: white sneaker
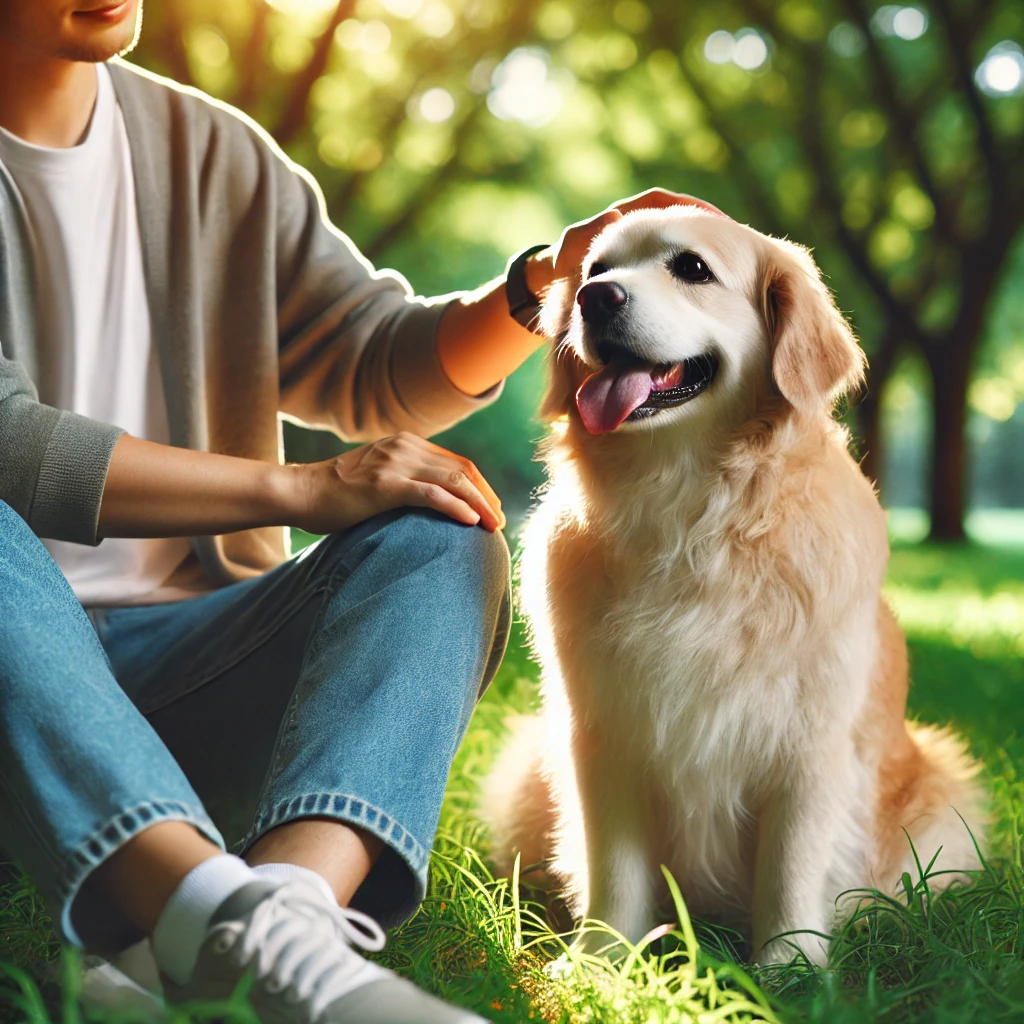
pixel 298 950
pixel 127 983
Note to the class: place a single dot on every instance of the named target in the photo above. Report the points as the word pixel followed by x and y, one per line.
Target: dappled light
pixel 746 49
pixel 886 136
pixel 302 7
pixel 522 88
pixel 902 22
pixel 447 136
pixel 1001 73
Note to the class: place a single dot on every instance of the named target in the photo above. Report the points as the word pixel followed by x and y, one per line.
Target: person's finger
pixel 652 198
pixel 577 240
pixel 424 494
pixel 658 198
pixel 454 479
pixel 602 220
pixel 460 462
pixel 482 485
pixel 579 236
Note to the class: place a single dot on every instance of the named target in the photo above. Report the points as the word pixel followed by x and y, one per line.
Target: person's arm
pixel 52 462
pixel 155 490
pixel 479 344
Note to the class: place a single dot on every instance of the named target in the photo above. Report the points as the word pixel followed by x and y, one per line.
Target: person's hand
pixel 563 258
pixel 395 471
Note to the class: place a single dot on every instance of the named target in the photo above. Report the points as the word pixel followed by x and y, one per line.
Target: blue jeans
pixel 338 685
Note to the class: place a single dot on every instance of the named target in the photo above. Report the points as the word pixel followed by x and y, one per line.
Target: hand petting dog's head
pixel 685 318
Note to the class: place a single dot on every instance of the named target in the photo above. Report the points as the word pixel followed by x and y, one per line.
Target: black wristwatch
pixel 523 305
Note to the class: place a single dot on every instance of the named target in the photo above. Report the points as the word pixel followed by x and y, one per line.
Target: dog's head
pixel 683 316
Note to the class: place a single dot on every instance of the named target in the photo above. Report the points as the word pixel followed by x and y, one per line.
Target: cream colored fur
pixel 724 690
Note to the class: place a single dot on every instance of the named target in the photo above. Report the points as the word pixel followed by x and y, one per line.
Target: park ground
pixel 482 942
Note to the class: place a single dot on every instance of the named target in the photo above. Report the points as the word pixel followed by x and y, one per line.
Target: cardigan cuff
pixel 69 489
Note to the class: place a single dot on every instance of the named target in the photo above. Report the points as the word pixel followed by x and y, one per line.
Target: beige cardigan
pixel 259 307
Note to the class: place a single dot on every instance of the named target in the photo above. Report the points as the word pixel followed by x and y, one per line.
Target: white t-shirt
pixel 96 346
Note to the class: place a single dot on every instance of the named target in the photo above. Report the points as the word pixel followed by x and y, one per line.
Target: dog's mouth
pixel 629 390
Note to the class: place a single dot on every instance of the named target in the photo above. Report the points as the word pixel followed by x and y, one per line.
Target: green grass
pixel 480 942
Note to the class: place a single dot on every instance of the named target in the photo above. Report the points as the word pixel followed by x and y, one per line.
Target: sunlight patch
pixel 986 624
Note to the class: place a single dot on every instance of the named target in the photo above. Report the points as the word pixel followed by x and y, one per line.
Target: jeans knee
pixel 463 553
pixel 481 558
pixel 31 581
pixel 14 531
pixel 468 561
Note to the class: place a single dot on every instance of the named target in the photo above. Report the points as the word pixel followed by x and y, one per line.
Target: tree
pixel 864 131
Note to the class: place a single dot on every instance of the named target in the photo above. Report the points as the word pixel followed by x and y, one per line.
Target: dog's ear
pixel 554 320
pixel 561 386
pixel 815 357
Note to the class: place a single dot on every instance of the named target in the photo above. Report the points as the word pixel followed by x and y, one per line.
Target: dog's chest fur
pixel 646 642
pixel 695 657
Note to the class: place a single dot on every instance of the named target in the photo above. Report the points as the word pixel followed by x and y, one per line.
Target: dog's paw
pixel 795 945
pixel 595 940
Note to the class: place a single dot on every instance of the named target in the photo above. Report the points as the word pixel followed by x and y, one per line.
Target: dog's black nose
pixel 600 301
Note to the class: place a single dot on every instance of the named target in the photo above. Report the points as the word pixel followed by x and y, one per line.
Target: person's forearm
pixel 478 342
pixel 154 490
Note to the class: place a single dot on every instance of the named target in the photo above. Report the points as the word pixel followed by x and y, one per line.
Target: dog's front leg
pixel 617 828
pixel 800 832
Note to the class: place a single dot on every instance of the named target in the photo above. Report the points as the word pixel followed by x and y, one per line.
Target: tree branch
pixel 757 193
pixel 428 191
pixel 960 39
pixel 511 32
pixel 171 45
pixel 252 56
pixel 341 199
pixel 293 117
pixel 903 118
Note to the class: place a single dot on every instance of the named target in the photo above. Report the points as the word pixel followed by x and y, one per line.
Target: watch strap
pixel 523 305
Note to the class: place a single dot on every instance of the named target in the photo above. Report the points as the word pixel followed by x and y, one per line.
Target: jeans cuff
pixel 353 810
pixel 106 840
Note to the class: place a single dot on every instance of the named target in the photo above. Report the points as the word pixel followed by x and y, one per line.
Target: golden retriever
pixel 724 688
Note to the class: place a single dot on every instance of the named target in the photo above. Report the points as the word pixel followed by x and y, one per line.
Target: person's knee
pixel 32 588
pixel 470 567
pixel 464 554
pixel 477 562
pixel 15 534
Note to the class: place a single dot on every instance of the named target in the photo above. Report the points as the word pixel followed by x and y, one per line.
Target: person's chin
pixel 94 41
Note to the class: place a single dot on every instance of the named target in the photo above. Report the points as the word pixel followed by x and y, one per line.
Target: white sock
pixel 181 927
pixel 295 873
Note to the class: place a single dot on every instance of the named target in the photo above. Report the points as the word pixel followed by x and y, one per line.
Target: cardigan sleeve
pixel 358 352
pixel 53 463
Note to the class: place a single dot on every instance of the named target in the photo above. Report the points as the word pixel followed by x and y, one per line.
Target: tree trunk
pixel 949 366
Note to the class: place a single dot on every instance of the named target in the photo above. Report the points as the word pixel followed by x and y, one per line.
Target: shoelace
pixel 296 941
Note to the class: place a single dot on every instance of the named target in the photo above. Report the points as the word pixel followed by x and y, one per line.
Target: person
pixel 169 286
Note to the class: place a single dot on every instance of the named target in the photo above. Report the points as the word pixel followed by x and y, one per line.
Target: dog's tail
pixel 946 813
pixel 518 802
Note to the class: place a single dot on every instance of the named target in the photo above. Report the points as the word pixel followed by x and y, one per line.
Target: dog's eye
pixel 597 268
pixel 688 266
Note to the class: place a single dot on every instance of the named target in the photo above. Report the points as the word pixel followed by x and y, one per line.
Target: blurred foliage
pixel 449 133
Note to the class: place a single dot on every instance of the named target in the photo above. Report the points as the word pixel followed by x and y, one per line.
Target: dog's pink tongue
pixel 607 397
